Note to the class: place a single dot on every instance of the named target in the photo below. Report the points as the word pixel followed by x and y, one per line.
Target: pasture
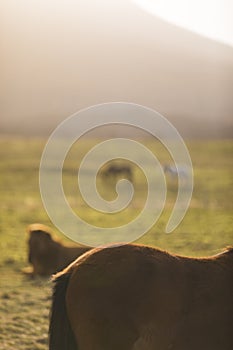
pixel 205 230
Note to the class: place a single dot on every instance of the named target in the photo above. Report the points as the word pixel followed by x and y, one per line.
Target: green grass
pixel 206 228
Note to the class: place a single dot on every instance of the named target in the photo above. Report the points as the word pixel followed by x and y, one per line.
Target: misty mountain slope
pixel 58 61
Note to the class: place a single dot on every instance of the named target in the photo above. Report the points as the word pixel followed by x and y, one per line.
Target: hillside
pixel 61 61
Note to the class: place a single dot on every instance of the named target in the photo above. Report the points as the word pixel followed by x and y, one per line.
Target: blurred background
pixel 60 56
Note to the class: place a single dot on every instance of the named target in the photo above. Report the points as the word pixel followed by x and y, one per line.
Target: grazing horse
pixel 175 171
pixel 115 170
pixel 135 297
pixel 46 254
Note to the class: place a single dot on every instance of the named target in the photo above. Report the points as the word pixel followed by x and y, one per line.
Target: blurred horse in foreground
pixel 46 254
pixel 135 297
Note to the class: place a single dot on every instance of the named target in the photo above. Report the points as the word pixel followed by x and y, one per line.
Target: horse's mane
pixel 39 227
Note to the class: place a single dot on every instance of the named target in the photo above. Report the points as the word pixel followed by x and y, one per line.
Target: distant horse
pixel 140 298
pixel 46 254
pixel 116 170
pixel 175 171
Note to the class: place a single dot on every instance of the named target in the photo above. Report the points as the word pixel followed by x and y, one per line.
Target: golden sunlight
pixel 210 18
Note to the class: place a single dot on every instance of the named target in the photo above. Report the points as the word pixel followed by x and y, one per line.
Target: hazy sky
pixel 59 56
pixel 212 18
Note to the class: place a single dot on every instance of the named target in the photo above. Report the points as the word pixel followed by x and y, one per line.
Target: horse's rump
pixel 135 298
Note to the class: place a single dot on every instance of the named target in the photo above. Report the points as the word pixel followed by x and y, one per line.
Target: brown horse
pixel 116 170
pixel 135 297
pixel 46 254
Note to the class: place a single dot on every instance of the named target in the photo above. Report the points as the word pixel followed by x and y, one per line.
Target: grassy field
pixel 205 230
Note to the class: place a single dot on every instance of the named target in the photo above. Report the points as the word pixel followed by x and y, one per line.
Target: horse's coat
pixel 139 298
pixel 115 170
pixel 46 254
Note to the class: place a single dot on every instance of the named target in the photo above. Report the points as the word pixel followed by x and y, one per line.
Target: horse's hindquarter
pixel 207 321
pixel 133 298
pixel 125 300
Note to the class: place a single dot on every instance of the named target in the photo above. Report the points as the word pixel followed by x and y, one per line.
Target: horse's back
pixel 136 298
pixel 113 295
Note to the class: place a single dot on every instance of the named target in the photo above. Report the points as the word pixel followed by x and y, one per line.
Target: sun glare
pixel 210 18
